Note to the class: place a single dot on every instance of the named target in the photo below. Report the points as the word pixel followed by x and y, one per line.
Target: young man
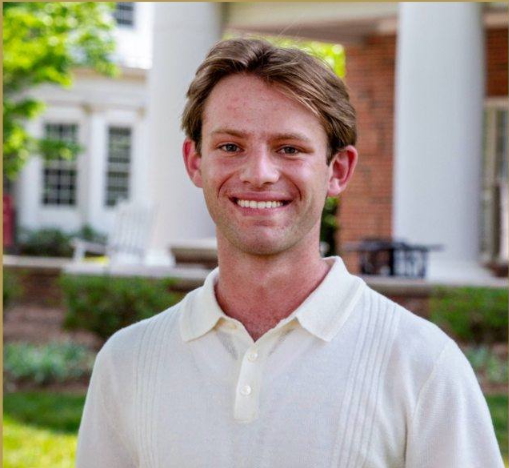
pixel 282 358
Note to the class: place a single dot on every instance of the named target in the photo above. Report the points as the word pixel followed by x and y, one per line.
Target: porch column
pixel 183 34
pixel 29 186
pixel 140 162
pixel 438 145
pixel 96 165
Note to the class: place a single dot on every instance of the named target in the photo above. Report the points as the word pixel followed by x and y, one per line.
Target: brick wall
pixel 366 206
pixel 496 62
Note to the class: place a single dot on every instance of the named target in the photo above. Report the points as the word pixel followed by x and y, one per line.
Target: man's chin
pixel 259 247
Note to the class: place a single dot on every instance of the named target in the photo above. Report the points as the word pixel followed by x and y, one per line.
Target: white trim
pixel 491 184
pixel 497 102
pixel 495 19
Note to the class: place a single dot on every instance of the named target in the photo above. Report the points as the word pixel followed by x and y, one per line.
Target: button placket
pixel 246 390
pixel 247 396
pixel 252 355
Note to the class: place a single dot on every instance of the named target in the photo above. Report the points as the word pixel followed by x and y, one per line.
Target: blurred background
pixel 102 227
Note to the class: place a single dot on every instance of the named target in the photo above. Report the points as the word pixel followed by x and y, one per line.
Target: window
pixel 124 14
pixel 119 161
pixel 495 198
pixel 60 174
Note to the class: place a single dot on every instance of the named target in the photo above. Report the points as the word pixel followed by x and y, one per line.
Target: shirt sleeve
pixel 451 425
pixel 102 438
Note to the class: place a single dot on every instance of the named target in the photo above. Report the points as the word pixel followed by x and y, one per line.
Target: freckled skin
pixel 247 104
pixel 256 142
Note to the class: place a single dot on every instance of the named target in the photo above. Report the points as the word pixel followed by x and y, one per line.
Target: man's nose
pixel 259 169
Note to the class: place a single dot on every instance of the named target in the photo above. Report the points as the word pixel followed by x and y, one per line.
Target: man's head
pixel 261 123
pixel 296 74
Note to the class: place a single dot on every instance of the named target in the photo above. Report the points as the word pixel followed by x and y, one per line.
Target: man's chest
pixel 255 410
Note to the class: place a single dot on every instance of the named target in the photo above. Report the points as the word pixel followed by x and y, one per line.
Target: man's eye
pixel 289 150
pixel 229 148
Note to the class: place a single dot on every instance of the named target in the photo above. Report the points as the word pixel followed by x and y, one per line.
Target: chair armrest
pixel 82 246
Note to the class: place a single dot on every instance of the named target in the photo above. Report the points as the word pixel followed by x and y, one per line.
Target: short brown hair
pixel 300 76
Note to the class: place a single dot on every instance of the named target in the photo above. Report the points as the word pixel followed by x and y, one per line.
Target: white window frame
pixel 56 195
pixel 494 194
pixel 124 167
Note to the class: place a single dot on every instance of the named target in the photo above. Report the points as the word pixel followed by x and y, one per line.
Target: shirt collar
pixel 322 314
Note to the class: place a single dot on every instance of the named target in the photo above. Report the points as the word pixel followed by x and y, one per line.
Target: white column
pixel 96 165
pixel 183 34
pixel 439 104
pixel 139 160
pixel 29 185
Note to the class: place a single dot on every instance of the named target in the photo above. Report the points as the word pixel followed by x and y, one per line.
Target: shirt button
pixel 252 356
pixel 245 390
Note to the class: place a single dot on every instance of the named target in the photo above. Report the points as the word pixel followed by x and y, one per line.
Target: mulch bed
pixel 40 324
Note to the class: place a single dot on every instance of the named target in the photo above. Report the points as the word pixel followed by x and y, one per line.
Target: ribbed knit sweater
pixel 350 380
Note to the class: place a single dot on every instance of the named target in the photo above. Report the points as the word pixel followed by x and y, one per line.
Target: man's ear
pixel 192 160
pixel 341 170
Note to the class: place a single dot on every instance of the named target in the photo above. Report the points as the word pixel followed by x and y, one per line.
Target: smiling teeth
pixel 255 204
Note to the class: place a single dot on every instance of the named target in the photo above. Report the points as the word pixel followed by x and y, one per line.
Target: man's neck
pixel 261 291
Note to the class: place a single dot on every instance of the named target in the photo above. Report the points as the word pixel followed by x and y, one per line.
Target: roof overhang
pixel 341 22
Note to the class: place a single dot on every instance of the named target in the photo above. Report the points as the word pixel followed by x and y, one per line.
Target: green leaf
pixel 42 43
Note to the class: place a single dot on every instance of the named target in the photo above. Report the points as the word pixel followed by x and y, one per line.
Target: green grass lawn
pixel 40 429
pixel 498 409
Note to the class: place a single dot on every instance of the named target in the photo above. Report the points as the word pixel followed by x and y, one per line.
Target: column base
pixel 462 273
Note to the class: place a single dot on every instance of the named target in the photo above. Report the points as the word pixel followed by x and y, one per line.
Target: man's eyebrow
pixel 274 136
pixel 291 136
pixel 229 131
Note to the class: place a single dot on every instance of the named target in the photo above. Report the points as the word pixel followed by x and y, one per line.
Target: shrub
pixel 487 364
pixel 43 364
pixel 104 304
pixel 88 233
pixel 329 225
pixel 48 242
pixel 11 288
pixel 471 314
pixel 53 242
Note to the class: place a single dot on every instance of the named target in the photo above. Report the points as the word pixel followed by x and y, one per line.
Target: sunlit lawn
pixel 498 409
pixel 40 428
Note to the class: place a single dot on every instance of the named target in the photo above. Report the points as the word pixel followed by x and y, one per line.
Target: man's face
pixel 262 167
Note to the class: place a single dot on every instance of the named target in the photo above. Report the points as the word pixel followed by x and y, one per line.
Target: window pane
pixel 118 168
pixel 124 13
pixel 501 145
pixel 59 177
pixel 495 220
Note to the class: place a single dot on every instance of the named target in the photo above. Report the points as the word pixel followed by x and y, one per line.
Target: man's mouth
pixel 263 205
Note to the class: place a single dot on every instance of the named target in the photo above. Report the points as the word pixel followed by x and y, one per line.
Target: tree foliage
pixel 42 43
pixel 332 54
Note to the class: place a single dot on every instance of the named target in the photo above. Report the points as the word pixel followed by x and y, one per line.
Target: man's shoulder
pixel 418 348
pixel 130 339
pixel 414 337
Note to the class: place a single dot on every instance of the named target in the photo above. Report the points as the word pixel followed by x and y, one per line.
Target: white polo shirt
pixel 349 379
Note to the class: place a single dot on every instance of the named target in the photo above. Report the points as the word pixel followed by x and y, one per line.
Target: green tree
pixel 42 43
pixel 333 54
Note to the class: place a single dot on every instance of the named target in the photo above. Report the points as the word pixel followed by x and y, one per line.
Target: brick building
pixel 421 76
